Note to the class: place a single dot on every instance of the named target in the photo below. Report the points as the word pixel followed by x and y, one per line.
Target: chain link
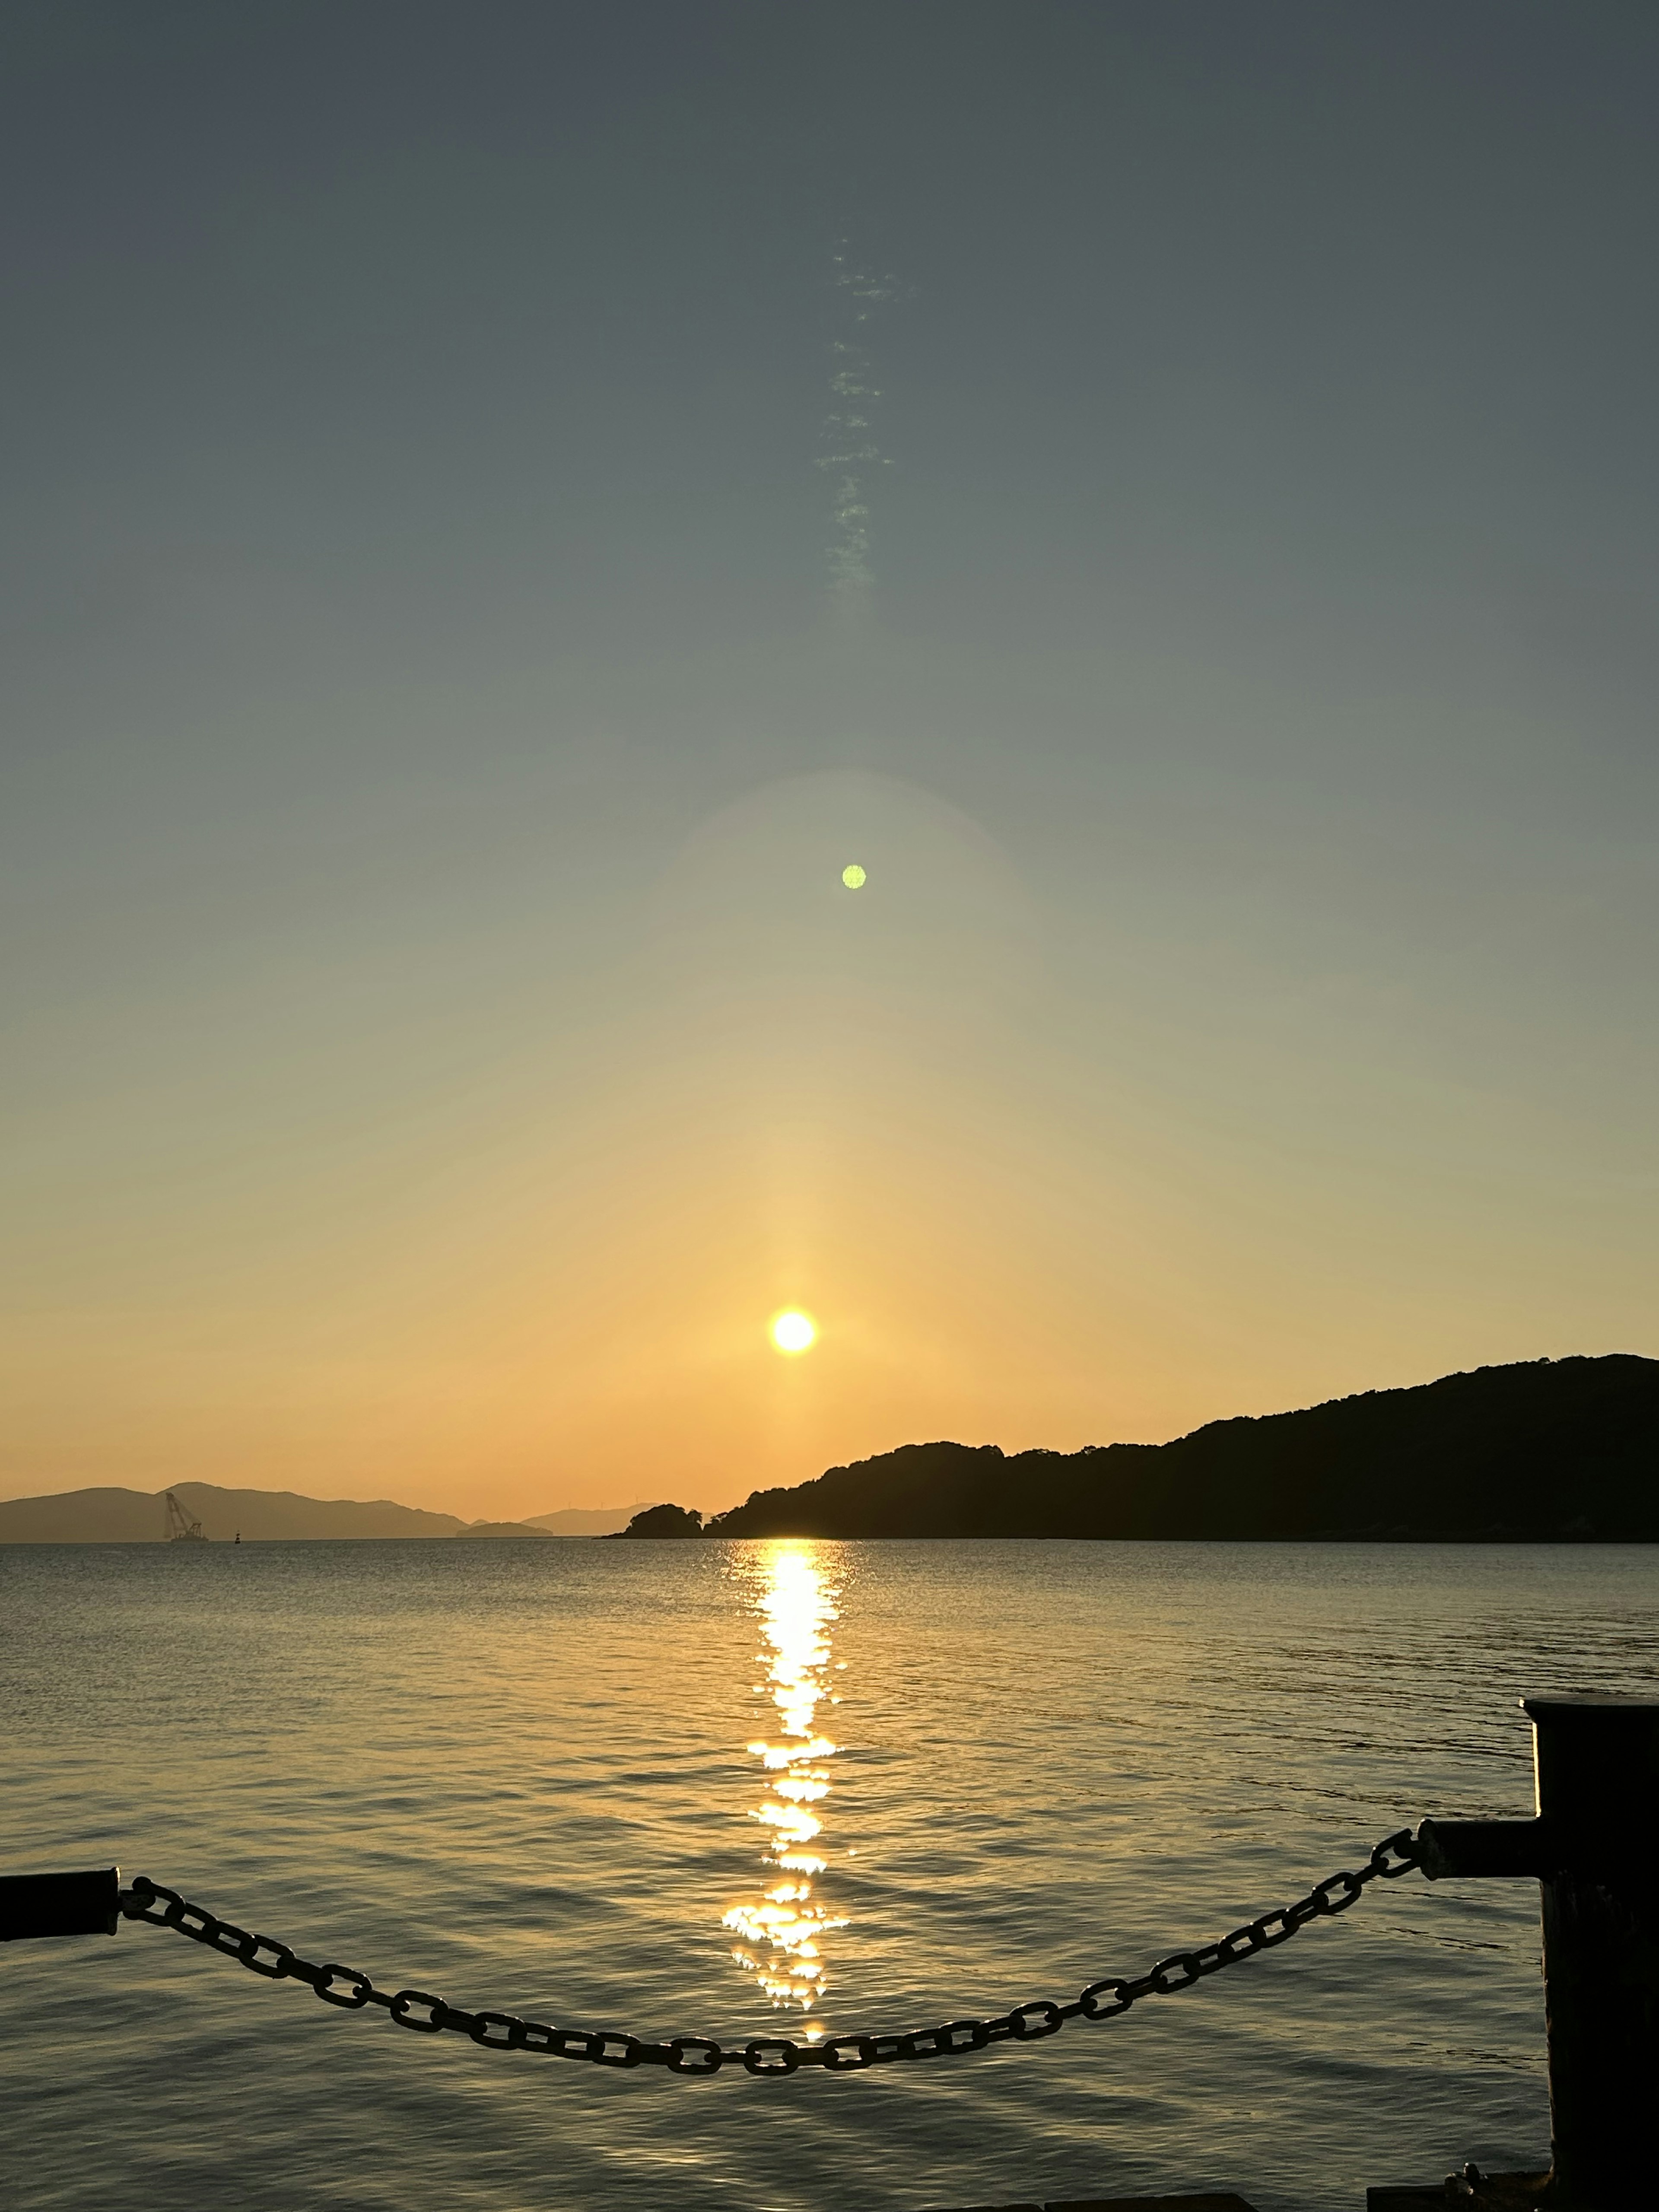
pixel 426 2014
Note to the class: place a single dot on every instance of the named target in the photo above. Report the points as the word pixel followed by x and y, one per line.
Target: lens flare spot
pixel 853 876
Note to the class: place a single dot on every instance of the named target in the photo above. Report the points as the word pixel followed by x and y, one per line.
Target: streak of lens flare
pixel 781 1931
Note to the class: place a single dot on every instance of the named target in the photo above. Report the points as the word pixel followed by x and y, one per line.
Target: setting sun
pixel 794 1331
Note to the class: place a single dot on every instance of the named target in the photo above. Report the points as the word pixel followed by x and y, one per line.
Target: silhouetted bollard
pixel 1595 1847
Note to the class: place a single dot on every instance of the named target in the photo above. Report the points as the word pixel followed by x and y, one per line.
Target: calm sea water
pixel 744 1789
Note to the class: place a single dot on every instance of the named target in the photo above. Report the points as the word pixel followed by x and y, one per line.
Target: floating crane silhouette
pixel 180 1529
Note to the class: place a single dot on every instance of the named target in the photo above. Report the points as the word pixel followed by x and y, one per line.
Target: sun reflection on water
pixel 780 1931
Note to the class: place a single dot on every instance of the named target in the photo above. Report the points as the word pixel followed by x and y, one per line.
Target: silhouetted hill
pixel 668 1520
pixel 131 1516
pixel 507 1528
pixel 581 1521
pixel 1547 1451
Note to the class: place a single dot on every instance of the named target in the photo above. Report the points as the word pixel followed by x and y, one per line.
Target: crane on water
pixel 180 1529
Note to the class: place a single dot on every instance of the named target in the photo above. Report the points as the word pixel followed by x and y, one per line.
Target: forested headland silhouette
pixel 1542 1451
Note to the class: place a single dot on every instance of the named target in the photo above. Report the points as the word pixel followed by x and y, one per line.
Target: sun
pixel 792 1330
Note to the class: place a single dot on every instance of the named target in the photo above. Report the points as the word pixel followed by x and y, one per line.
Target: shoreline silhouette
pixel 1541 1451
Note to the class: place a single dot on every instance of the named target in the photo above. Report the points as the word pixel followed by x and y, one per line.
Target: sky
pixel 505 502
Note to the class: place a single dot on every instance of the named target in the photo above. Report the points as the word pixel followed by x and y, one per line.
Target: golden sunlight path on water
pixel 781 1932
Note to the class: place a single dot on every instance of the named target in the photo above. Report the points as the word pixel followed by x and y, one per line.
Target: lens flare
pixel 853 876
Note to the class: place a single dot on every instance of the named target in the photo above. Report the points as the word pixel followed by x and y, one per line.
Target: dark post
pixel 1595 1848
pixel 60 1904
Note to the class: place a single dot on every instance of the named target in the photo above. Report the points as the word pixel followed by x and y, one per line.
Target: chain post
pixel 1598 1781
pixel 1594 1848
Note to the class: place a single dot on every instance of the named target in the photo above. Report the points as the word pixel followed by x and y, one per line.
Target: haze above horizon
pixel 734 734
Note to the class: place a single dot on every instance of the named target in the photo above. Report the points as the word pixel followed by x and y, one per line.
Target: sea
pixel 778 1790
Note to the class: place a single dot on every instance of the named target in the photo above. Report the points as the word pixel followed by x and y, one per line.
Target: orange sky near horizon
pixel 545 1279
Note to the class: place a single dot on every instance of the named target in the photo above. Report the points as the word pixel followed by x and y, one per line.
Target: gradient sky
pixel 436 1036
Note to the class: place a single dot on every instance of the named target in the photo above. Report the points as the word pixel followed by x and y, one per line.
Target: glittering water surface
pixel 754 1790
pixel 795 1592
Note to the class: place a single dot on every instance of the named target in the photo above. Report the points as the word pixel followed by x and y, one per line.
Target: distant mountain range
pixel 574 1521
pixel 1546 1452
pixel 136 1517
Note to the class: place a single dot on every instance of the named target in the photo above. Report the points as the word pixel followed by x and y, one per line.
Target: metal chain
pixel 427 2015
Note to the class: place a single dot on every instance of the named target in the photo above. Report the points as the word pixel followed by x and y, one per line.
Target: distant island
pixel 495 1529
pixel 1545 1451
pixel 137 1517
